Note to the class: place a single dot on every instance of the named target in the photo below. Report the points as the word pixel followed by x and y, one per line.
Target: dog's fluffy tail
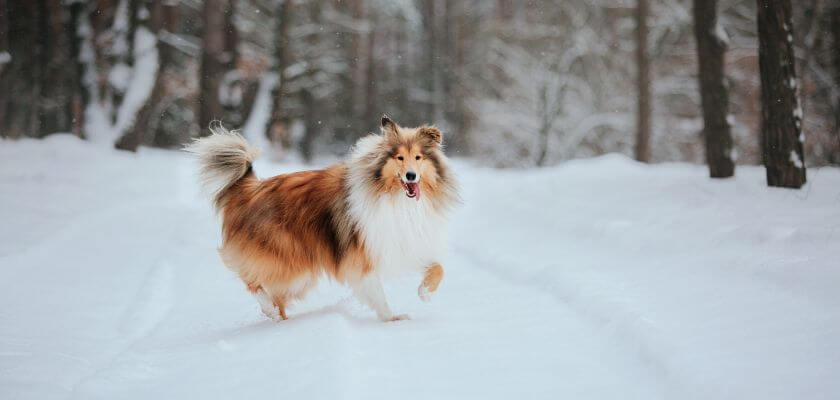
pixel 225 157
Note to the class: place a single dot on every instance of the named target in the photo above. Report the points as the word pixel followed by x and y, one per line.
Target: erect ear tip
pixel 432 133
pixel 386 120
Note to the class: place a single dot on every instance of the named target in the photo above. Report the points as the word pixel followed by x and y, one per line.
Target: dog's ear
pixel 389 127
pixel 431 133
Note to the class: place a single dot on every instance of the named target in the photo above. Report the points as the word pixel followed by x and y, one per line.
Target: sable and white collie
pixel 379 214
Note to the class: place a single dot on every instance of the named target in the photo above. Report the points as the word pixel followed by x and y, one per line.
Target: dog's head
pixel 410 160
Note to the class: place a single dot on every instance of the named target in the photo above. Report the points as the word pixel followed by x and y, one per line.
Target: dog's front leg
pixel 431 280
pixel 369 291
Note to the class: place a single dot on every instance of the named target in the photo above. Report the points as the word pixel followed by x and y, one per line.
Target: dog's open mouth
pixel 412 190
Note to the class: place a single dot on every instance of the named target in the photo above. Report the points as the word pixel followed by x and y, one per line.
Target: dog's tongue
pixel 413 189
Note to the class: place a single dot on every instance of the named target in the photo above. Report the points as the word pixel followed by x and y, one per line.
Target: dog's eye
pixel 400 158
pixel 417 158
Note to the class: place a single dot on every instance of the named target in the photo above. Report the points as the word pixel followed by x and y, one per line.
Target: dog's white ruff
pixel 402 235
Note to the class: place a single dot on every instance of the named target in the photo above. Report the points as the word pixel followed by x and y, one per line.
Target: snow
pixel 797 112
pixel 720 34
pixel 597 279
pixel 121 21
pixel 142 78
pixel 230 91
pixel 254 129
pixel 120 76
pixel 137 82
pixel 795 160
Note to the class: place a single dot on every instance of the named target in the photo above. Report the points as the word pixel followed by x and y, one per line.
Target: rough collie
pixel 379 214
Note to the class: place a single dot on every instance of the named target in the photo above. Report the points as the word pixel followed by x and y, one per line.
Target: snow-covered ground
pixel 599 278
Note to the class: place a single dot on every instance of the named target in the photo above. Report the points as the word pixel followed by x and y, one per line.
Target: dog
pixel 377 215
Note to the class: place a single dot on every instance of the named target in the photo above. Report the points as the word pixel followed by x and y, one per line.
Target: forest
pixel 513 83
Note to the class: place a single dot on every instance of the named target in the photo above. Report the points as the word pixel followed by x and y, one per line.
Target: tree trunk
pixel 835 33
pixel 213 63
pixel 430 32
pixel 545 127
pixel 22 74
pixel 310 125
pixel 451 62
pixel 125 56
pixel 357 67
pixel 278 125
pixel 80 95
pixel 235 110
pixel 447 66
pixel 711 49
pixel 781 129
pixel 371 113
pixel 461 42
pixel 100 22
pixel 644 102
pixel 5 64
pixel 41 69
pixel 163 16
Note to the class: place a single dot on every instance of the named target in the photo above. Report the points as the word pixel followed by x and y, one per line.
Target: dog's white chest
pixel 401 235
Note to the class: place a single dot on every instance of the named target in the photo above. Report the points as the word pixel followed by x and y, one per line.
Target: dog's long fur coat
pixel 379 214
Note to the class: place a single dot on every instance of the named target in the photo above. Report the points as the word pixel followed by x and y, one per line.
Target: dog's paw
pixel 424 293
pixel 267 306
pixel 399 317
pixel 270 312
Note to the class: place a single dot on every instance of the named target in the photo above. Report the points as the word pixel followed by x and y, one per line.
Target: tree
pixel 234 86
pixel 40 66
pixel 357 67
pixel 835 33
pixel 213 62
pixel 781 112
pixel 163 17
pixel 453 43
pixel 432 81
pixel 370 111
pixel 309 85
pixel 711 49
pixel 5 64
pixel 278 125
pixel 643 118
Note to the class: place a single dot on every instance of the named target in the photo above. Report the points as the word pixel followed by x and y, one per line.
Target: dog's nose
pixel 410 176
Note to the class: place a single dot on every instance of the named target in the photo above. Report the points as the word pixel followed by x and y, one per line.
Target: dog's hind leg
pixel 368 289
pixel 431 280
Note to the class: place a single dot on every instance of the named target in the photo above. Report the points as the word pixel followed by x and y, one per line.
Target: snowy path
pixel 597 279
